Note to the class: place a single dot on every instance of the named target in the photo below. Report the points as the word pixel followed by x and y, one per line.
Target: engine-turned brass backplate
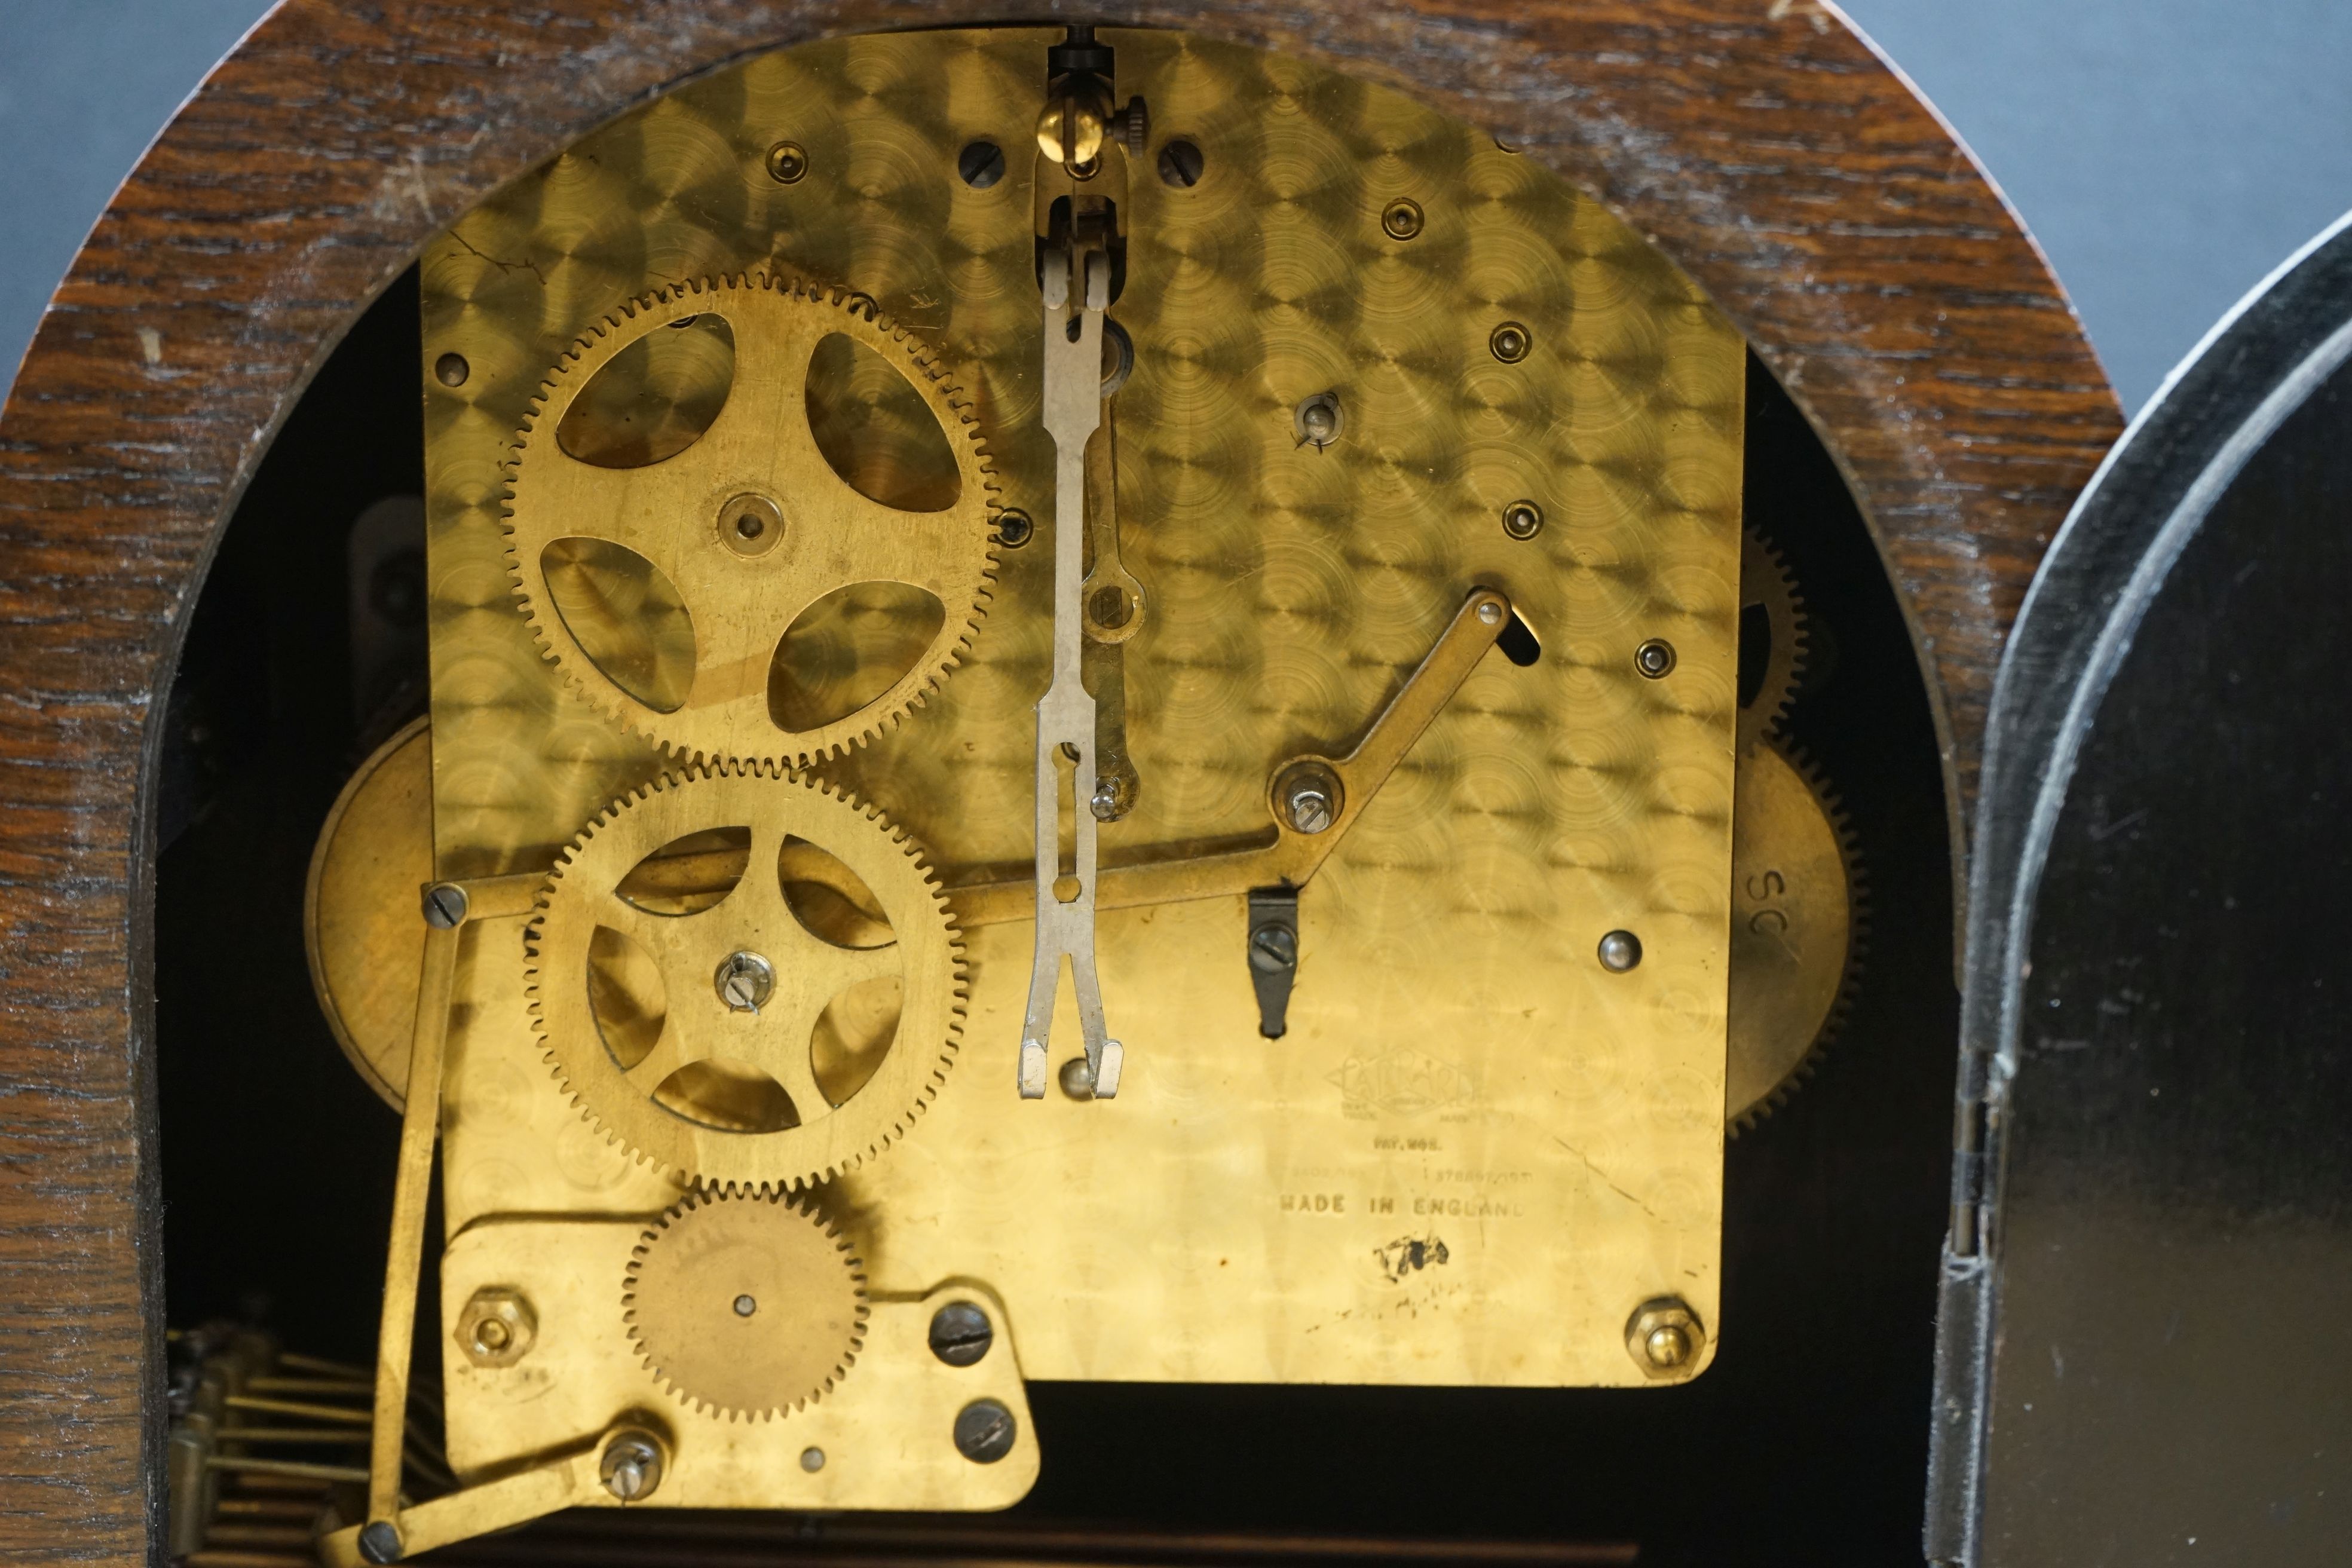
pixel 1478 1151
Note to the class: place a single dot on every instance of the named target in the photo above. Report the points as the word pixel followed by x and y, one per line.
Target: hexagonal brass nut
pixel 497 1326
pixel 1665 1340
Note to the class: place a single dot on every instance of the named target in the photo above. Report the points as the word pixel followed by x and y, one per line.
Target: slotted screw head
pixel 984 1431
pixel 745 981
pixel 1181 165
pixel 379 1542
pixel 1309 807
pixel 444 905
pixel 960 1331
pixel 631 1466
pixel 981 164
pixel 1273 948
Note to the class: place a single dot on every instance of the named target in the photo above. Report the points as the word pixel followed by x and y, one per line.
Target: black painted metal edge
pixel 2148 501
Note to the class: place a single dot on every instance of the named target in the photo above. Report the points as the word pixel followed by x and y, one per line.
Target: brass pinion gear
pixel 662 568
pixel 747 980
pixel 745 1305
pixel 1800 920
pixel 1772 639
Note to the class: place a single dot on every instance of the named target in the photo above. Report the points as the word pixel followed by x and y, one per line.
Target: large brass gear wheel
pixel 1772 639
pixel 744 1305
pixel 747 528
pixel 747 980
pixel 1799 918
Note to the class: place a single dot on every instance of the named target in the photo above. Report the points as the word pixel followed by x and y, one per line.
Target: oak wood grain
pixel 1758 142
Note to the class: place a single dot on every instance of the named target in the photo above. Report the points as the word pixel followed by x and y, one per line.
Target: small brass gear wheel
pixel 1799 918
pixel 671 568
pixel 1772 639
pixel 745 1305
pixel 746 980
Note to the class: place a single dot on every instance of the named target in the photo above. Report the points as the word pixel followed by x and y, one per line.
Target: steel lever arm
pixel 1063 901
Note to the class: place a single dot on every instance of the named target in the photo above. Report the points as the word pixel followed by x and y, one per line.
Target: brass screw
pixel 1401 219
pixel 787 162
pixel 1665 1337
pixel 1523 519
pixel 1510 343
pixel 1654 658
pixel 451 370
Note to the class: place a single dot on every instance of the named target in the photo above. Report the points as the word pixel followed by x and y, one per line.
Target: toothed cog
pixel 746 979
pixel 745 1305
pixel 1767 594
pixel 748 520
pixel 1797 930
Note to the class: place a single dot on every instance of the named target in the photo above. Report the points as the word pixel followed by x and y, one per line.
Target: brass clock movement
pixel 1097 711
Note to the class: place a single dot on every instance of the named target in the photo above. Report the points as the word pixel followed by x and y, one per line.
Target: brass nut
pixel 750 525
pixel 1666 1339
pixel 497 1328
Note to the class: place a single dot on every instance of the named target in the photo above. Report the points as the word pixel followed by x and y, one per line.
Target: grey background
pixel 2167 153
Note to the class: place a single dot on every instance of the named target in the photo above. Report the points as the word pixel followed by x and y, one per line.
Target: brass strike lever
pixel 1313 800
